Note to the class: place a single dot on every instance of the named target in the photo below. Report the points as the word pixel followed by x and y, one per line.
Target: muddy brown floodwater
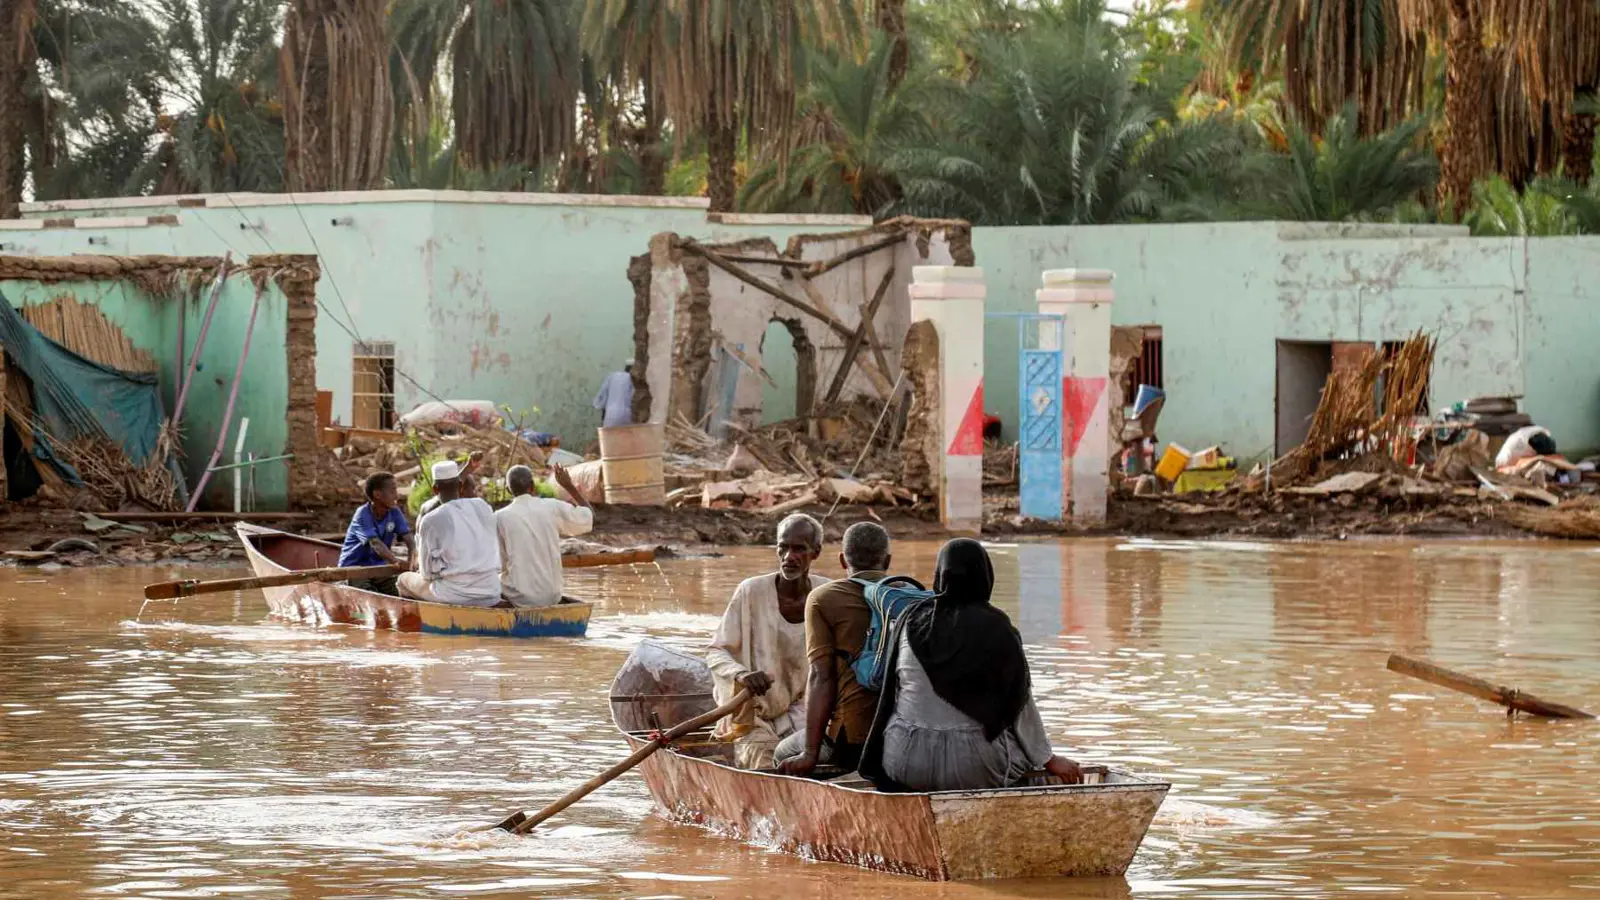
pixel 201 749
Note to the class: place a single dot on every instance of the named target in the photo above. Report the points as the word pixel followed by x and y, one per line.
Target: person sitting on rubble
pixel 458 550
pixel 761 645
pixel 376 525
pixel 838 708
pixel 957 710
pixel 469 485
pixel 530 529
pixel 1531 453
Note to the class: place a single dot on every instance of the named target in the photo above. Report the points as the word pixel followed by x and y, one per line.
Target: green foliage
pixel 1546 207
pixel 1053 128
pixel 850 120
pixel 1342 176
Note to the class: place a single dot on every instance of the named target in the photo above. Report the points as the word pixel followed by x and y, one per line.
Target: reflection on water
pixel 200 749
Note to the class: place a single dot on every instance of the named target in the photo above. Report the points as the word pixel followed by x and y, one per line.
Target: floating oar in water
pixel 521 823
pixel 171 590
pixel 1509 697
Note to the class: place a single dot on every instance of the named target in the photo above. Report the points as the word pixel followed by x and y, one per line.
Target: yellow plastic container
pixel 1172 464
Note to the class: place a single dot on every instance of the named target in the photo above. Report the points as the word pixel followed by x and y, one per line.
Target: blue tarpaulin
pixel 77 398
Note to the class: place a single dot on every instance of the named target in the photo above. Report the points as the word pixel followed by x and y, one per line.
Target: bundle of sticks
pixel 1349 420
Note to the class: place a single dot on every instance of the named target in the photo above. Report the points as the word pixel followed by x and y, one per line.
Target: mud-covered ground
pixel 697 531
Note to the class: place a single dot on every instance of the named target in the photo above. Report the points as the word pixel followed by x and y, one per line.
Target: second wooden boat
pixel 1053 830
pixel 273 552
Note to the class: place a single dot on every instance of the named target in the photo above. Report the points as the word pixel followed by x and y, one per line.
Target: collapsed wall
pixel 701 311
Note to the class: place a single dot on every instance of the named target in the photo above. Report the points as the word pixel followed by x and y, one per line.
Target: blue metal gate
pixel 1040 341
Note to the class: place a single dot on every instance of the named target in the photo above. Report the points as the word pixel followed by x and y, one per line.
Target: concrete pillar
pixel 1083 297
pixel 951 297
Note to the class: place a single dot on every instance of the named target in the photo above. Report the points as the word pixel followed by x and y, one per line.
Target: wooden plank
pixel 711 256
pixel 828 265
pixel 1477 687
pixel 879 376
pixel 205 516
pixel 784 261
pixel 854 347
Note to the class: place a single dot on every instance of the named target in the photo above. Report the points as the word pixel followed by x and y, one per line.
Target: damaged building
pixel 711 318
pixel 128 382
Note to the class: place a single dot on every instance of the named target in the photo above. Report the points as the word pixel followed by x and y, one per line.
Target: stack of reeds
pixel 1348 421
pixel 83 329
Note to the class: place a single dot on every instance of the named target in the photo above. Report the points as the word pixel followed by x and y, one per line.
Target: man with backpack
pixel 839 709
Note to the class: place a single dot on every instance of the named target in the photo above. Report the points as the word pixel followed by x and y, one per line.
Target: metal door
pixel 1040 340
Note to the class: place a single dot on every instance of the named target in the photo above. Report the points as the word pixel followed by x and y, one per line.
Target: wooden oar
pixel 1508 697
pixel 169 590
pixel 521 823
pixel 619 558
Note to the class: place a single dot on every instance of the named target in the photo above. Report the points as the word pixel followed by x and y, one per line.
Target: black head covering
pixel 971 653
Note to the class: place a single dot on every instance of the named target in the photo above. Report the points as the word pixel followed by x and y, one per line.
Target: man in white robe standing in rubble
pixel 615 400
pixel 761 645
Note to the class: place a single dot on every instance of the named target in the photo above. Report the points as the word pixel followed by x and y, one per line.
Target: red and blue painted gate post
pixel 951 297
pixel 1083 297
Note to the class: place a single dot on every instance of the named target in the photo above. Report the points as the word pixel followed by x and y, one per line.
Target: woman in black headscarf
pixel 956 712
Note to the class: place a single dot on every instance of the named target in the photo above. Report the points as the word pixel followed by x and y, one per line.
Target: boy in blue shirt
pixel 373 531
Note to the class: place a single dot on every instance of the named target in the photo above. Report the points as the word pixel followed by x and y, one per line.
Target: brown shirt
pixel 837 618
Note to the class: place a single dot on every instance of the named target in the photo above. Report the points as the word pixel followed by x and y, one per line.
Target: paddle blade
pixel 166 590
pixel 510 823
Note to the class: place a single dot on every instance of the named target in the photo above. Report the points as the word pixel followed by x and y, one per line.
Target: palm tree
pixel 1053 130
pixel 514 76
pixel 722 67
pixel 1328 53
pixel 850 118
pixel 338 98
pixel 1343 175
pixel 158 95
pixel 16 67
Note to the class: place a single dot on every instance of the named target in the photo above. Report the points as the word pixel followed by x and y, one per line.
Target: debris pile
pixel 403 453
pixel 845 458
pixel 1371 448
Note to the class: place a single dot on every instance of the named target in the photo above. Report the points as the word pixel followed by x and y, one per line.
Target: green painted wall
pixel 151 324
pixel 525 304
pixel 1511 315
pixel 528 304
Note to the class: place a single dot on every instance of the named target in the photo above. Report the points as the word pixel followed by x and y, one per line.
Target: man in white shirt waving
pixel 458 552
pixel 531 529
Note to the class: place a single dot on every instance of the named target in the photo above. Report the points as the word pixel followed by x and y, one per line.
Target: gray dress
pixel 929 745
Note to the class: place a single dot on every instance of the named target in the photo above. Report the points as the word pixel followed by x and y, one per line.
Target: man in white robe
pixel 761 645
pixel 458 548
pixel 531 528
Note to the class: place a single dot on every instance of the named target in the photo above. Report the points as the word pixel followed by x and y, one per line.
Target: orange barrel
pixel 630 457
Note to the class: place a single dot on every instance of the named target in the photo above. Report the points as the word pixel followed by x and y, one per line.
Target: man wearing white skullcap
pixel 458 549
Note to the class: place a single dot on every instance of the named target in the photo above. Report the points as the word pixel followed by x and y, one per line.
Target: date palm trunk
pixel 1462 157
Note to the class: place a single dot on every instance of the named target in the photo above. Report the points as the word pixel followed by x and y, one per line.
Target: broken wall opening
pixel 789 360
pixel 1303 368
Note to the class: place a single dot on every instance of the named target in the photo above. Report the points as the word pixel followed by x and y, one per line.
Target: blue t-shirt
pixel 363 528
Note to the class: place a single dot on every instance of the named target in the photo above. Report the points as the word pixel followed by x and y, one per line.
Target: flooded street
pixel 201 749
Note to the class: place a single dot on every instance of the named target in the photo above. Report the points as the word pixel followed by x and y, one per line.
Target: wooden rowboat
pixel 273 552
pixel 1053 830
